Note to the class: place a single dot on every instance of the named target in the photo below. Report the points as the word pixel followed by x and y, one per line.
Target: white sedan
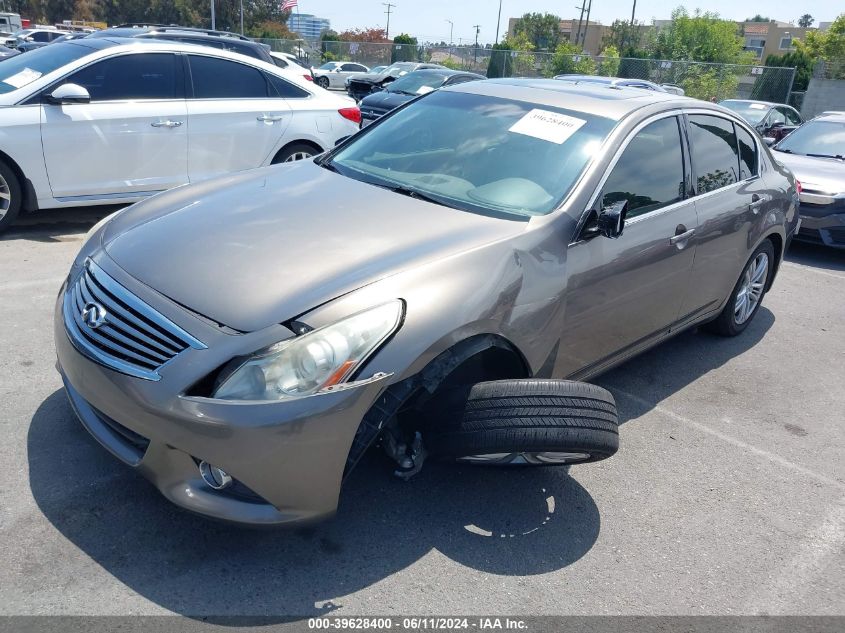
pixel 335 74
pixel 100 121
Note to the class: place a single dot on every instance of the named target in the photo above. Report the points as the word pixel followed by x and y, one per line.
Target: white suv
pixel 100 121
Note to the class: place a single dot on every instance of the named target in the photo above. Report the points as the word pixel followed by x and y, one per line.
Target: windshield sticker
pixel 424 89
pixel 757 106
pixel 547 126
pixel 26 76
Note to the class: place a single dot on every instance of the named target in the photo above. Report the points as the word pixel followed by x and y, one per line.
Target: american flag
pixel 288 4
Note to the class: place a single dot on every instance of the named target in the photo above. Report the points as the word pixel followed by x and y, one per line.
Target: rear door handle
pixel 267 118
pixel 757 202
pixel 680 238
pixel 167 123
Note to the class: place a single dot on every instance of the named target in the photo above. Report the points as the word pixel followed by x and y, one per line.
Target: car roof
pixel 613 102
pixel 445 72
pixel 770 104
pixel 836 116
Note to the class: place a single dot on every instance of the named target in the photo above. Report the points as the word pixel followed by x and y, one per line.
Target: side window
pixel 132 77
pixel 650 172
pixel 223 79
pixel 747 154
pixel 792 117
pixel 714 153
pixel 776 116
pixel 348 68
pixel 459 79
pixel 286 89
pixel 358 68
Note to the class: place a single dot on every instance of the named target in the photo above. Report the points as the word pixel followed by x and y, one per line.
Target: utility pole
pixel 587 25
pixel 451 28
pixel 389 8
pixel 498 21
pixel 213 22
pixel 242 17
pixel 633 12
pixel 477 28
pixel 580 20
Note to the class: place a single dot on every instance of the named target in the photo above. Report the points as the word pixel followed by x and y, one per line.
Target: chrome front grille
pixel 112 326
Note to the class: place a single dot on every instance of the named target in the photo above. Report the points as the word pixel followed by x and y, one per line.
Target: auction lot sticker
pixel 547 125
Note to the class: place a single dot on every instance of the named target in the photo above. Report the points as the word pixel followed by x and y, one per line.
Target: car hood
pixel 385 100
pixel 261 247
pixel 825 174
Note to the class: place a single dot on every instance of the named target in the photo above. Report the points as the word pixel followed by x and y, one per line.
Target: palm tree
pixel 806 20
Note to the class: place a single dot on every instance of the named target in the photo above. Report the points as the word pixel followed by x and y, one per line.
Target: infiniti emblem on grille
pixel 93 315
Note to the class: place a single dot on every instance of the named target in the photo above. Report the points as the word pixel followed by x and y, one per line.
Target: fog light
pixel 215 477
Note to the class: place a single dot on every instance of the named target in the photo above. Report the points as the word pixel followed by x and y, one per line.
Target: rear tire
pixel 734 318
pixel 323 82
pixel 294 152
pixel 11 196
pixel 526 422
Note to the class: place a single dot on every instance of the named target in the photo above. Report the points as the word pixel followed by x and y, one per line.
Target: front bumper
pixel 287 458
pixel 827 229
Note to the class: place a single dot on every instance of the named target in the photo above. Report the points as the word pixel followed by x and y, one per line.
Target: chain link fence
pixel 697 79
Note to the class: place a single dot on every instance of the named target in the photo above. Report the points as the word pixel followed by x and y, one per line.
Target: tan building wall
pixel 771 38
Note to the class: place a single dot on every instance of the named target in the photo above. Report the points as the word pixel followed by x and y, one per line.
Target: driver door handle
pixel 167 123
pixel 681 235
pixel 267 118
pixel 756 202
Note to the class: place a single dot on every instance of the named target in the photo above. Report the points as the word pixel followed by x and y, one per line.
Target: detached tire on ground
pixel 534 422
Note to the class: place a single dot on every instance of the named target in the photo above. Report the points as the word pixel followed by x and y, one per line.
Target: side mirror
pixel 70 93
pixel 769 140
pixel 611 220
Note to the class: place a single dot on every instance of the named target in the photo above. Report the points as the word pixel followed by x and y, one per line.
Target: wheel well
pixel 28 202
pixel 310 144
pixel 777 243
pixel 476 359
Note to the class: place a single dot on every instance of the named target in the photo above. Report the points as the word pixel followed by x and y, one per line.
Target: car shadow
pixel 511 522
pixel 56 225
pixel 816 255
pixel 643 382
pixel 508 522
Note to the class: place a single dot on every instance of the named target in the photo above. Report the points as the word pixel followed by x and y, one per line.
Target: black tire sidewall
pixel 725 324
pixel 288 151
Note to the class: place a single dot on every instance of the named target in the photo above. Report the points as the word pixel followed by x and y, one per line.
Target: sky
pixel 427 19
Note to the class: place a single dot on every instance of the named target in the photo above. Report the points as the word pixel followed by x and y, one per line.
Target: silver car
pixel 815 152
pixel 428 285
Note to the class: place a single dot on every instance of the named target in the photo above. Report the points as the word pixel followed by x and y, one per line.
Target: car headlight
pixel 305 364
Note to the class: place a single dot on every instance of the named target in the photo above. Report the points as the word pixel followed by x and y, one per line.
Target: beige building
pixel 770 38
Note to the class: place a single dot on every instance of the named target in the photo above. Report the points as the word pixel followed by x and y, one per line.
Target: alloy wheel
pixel 751 290
pixel 297 156
pixel 536 458
pixel 5 197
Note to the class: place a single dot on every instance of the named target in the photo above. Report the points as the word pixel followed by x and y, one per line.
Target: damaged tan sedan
pixel 435 285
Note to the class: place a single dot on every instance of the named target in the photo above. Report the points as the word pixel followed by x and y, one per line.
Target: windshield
pixel 751 112
pixel 417 83
pixel 18 71
pixel 477 153
pixel 815 138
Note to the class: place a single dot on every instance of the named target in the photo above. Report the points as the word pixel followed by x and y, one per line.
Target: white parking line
pixel 813 270
pixel 20 285
pixel 777 459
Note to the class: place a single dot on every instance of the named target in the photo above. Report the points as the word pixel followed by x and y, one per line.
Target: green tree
pixel 626 37
pixel 702 37
pixel 609 64
pixel 541 29
pixel 806 21
pixel 828 45
pixel 404 49
pixel 774 83
pixel 758 18
pixel 702 82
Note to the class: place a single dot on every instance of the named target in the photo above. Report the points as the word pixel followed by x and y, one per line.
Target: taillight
pixel 353 114
pixel 308 77
pixel 797 186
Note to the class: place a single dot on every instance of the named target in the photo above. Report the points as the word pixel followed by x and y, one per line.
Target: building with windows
pixel 771 38
pixel 308 26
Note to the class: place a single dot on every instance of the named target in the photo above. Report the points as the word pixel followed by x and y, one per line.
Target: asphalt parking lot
pixel 727 495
